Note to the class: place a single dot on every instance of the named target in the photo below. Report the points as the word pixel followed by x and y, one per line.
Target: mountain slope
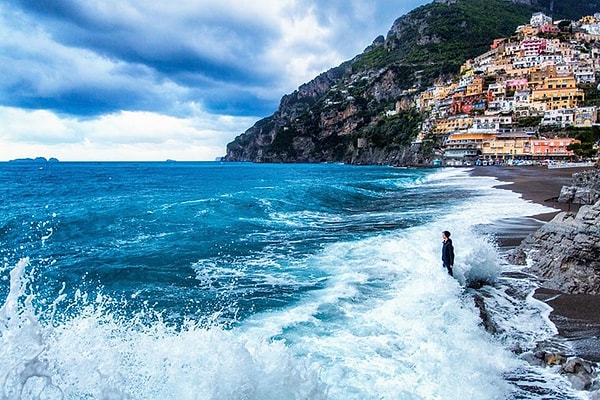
pixel 333 117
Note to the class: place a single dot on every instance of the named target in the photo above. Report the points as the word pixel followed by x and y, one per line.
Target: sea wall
pixel 565 252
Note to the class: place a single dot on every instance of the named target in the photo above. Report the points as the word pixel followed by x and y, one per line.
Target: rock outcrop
pixel 585 189
pixel 565 252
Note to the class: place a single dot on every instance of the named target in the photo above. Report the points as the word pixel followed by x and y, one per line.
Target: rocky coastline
pixel 564 255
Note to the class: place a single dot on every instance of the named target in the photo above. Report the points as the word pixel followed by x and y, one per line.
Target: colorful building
pixel 558 92
pixel 552 148
pixel 453 124
pixel 466 146
pixel 508 146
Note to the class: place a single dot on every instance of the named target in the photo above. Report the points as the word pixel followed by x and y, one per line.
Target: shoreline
pixel 534 183
pixel 575 316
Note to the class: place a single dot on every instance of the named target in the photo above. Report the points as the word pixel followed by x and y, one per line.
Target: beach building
pixel 552 148
pixel 465 147
pixel 508 146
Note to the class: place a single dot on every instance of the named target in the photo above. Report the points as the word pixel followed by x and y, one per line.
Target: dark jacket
pixel 448 253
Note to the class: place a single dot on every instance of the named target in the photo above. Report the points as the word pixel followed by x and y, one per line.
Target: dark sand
pixel 538 184
pixel 577 317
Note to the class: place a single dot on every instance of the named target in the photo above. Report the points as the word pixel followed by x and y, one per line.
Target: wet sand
pixel 538 184
pixel 576 316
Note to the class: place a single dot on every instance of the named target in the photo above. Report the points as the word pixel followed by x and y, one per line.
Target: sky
pixel 146 80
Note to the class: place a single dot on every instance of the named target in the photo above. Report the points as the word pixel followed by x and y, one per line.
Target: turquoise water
pixel 255 281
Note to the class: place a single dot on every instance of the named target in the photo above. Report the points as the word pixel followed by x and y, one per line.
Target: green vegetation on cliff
pixel 437 38
pixel 397 130
pixel 588 137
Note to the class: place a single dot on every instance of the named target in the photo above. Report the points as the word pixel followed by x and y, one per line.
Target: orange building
pixel 537 75
pixel 552 148
pixel 475 87
pixel 466 145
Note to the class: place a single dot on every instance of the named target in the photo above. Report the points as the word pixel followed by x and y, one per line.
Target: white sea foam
pixel 386 323
pixel 414 340
pixel 98 354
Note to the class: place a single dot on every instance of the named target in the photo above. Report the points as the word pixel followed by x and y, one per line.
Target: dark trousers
pixel 449 270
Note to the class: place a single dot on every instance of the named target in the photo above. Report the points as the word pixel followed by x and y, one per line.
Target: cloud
pixel 125 62
pixel 127 135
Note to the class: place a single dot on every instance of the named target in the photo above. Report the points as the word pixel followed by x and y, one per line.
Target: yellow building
pixel 508 146
pixel 558 93
pixel 588 19
pixel 529 31
pixel 429 97
pixel 537 75
pixel 475 87
pixel 452 124
pixel 467 68
pixel 466 145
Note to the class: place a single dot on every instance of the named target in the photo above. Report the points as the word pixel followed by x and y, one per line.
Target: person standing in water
pixel 447 252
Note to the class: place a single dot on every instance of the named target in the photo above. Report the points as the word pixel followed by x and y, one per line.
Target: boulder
pixel 578 195
pixel 579 372
pixel 565 253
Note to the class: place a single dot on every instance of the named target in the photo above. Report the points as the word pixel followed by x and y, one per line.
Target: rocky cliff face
pixel 565 252
pixel 356 113
pixel 339 116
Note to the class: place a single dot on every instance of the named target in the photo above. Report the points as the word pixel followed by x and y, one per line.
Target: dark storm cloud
pixel 90 58
pixel 195 51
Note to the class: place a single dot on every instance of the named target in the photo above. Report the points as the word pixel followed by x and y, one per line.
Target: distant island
pixel 37 160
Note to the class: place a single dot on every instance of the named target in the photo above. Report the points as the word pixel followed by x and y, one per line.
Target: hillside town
pixel 517 102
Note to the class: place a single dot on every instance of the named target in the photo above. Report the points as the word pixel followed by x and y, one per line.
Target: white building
pixel 539 19
pixel 490 123
pixel 584 74
pixel 585 117
pixel 562 117
pixel 592 29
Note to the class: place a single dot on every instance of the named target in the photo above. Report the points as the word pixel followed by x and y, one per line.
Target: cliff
pixel 565 253
pixel 361 111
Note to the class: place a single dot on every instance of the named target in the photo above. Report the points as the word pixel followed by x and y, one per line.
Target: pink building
pixel 533 46
pixel 552 148
pixel 517 84
pixel 549 28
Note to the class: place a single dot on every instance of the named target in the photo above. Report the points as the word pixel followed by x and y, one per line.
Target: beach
pixel 575 316
pixel 538 184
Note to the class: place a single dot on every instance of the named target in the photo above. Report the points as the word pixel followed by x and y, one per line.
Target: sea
pixel 211 280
